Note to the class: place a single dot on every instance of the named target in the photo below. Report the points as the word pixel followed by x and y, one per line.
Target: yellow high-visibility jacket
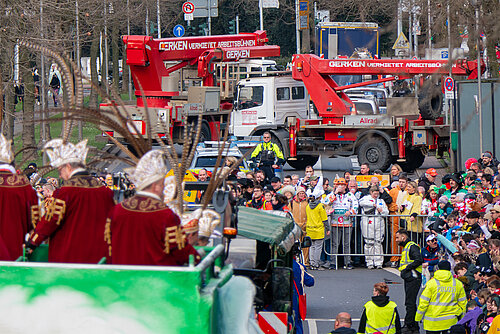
pixel 442 302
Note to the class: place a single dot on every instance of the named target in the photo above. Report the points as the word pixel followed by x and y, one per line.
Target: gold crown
pixel 6 154
pixel 149 169
pixel 61 152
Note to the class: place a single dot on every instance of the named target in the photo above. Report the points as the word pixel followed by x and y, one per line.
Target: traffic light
pixel 202 29
pixel 232 27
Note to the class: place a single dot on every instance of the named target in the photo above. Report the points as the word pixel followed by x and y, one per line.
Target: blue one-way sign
pixel 179 31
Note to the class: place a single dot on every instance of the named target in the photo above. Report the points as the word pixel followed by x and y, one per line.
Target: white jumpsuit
pixel 373 229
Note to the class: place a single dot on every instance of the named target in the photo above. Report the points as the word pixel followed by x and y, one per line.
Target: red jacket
pixel 19 212
pixel 143 231
pixel 75 221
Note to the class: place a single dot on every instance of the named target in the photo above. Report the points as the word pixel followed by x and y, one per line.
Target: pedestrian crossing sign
pixel 401 42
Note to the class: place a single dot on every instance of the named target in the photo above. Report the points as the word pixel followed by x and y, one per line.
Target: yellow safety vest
pixel 405 257
pixel 380 319
pixel 441 302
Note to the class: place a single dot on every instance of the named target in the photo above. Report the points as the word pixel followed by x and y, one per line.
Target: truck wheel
pixel 375 152
pixel 414 159
pixel 303 161
pixel 205 133
pixel 430 101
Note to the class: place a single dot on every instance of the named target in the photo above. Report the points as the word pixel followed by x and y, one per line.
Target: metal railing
pixel 371 236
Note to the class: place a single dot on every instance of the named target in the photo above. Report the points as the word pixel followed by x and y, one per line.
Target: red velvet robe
pixel 143 231
pixel 75 221
pixel 19 213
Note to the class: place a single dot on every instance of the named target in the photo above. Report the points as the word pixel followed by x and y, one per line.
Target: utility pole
pixel 105 76
pixel 429 26
pixel 450 103
pixel 410 26
pixel 129 73
pixel 158 17
pixel 400 17
pixel 77 14
pixel 42 91
pixel 147 21
pixel 479 92
pixel 209 19
pixel 261 15
pixel 297 25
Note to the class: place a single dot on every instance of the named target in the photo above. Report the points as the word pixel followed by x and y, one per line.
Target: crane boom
pixel 147 58
pixel 332 103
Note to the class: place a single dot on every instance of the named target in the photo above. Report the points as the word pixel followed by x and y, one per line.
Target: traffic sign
pixel 189 17
pixel 401 42
pixel 179 31
pixel 449 88
pixel 188 7
pixel 449 84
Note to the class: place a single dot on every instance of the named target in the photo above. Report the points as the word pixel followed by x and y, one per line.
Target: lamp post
pixel 77 14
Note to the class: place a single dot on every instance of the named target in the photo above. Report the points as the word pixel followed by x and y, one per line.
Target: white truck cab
pixel 266 101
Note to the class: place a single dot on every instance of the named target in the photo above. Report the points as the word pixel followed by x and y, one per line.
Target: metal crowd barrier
pixel 378 234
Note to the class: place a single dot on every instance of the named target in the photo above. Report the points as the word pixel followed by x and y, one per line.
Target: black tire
pixel 205 133
pixel 414 159
pixel 375 152
pixel 430 101
pixel 303 161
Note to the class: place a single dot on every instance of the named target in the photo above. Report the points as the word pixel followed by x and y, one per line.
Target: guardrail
pixel 371 235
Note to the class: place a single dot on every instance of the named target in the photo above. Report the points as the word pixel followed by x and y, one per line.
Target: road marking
pixel 311 323
pixel 392 271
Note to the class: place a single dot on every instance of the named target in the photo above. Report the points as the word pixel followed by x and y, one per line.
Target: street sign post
pixel 179 31
pixel 449 88
pixel 188 10
pixel 303 14
pixel 188 7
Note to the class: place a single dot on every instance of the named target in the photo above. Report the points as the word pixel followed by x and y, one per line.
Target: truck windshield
pixel 363 108
pixel 250 96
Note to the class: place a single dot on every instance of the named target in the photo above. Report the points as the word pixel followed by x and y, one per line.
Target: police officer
pixel 410 267
pixel 268 156
pixel 380 314
pixel 442 301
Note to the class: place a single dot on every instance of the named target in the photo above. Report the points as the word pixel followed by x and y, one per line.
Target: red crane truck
pixel 180 77
pixel 411 126
pixel 170 72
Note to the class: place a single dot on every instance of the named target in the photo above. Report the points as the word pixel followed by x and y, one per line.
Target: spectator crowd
pixel 453 218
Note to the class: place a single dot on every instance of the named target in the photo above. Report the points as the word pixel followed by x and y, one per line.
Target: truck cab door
pixel 250 109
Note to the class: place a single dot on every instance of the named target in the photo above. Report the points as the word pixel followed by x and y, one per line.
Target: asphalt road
pixel 346 291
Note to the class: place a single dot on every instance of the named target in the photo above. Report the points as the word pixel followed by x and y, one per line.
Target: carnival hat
pixel 149 169
pixel 6 154
pixel 61 153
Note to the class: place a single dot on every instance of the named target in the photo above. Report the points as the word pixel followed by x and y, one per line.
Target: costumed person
pixel 142 230
pixel 343 204
pixel 301 278
pixel 317 222
pixel 380 314
pixel 372 227
pixel 19 210
pixel 76 216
